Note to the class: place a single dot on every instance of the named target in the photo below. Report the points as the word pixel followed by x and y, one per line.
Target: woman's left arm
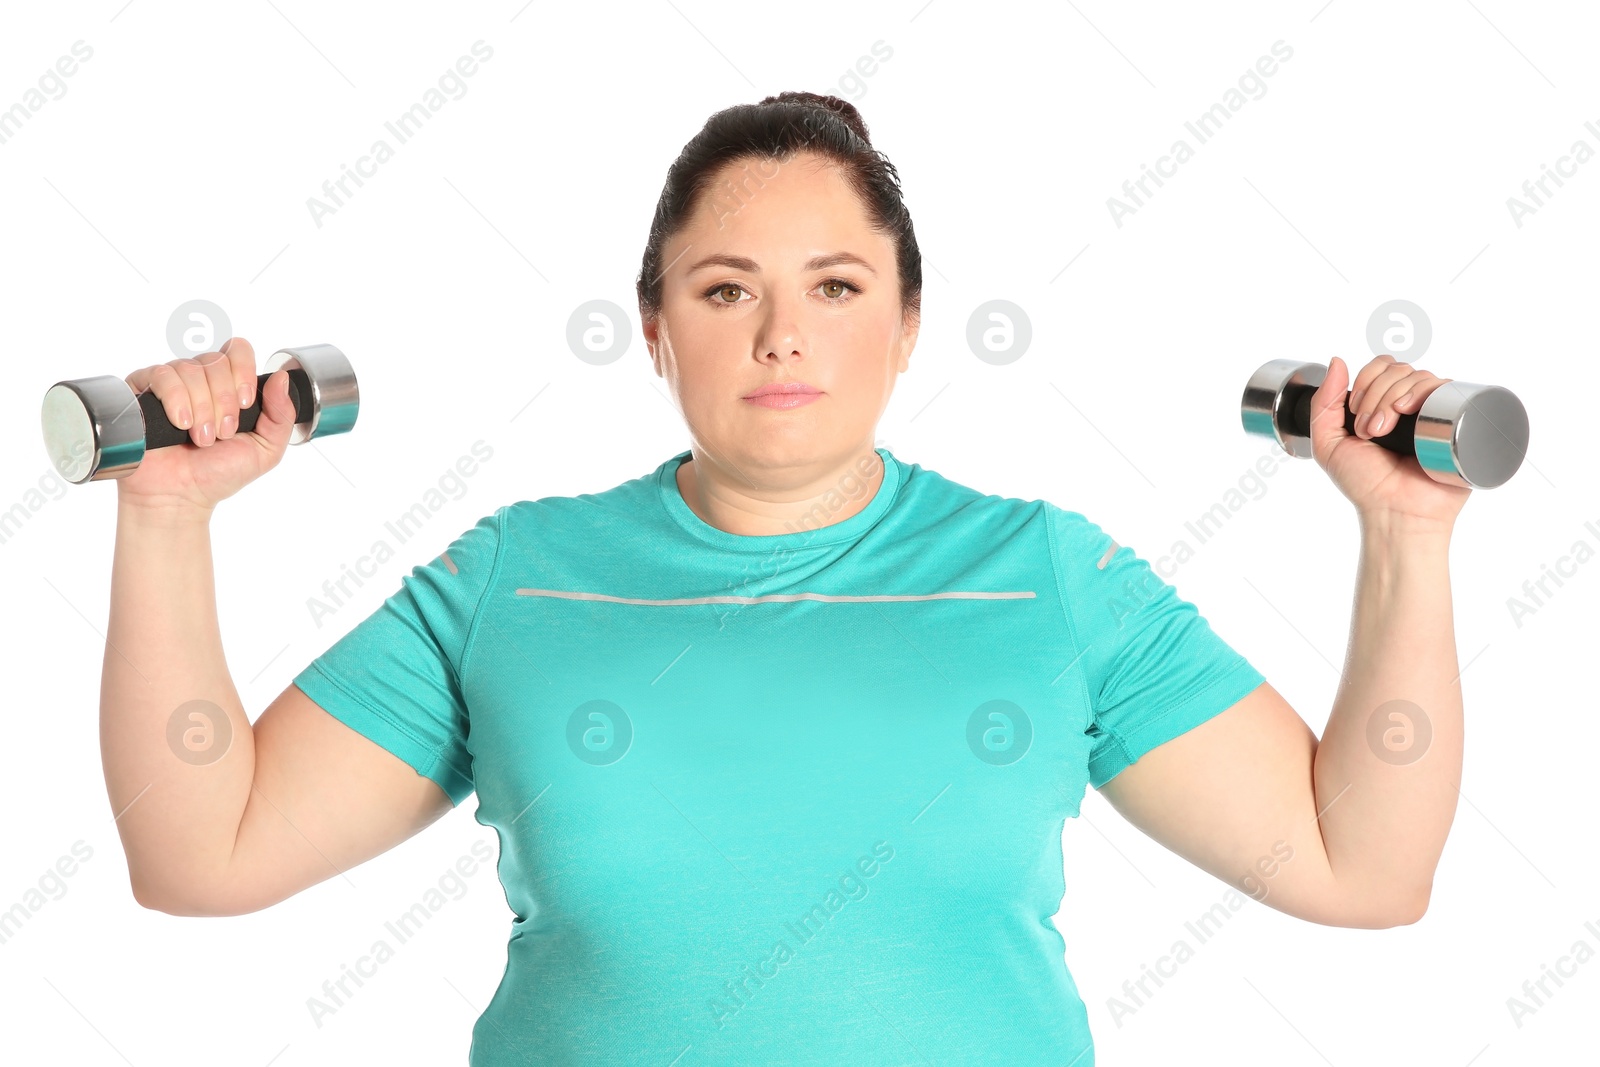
pixel 1346 831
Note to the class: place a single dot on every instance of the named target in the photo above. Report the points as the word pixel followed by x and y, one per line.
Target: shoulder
pixel 1032 530
pixel 1069 533
pixel 577 528
pixel 942 499
pixel 630 500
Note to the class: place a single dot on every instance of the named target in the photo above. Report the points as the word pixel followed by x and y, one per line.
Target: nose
pixel 779 338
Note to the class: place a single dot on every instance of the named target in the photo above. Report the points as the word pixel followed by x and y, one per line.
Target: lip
pixel 783 395
pixel 781 388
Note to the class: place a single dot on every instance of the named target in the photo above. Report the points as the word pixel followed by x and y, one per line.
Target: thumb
pixel 1328 407
pixel 277 412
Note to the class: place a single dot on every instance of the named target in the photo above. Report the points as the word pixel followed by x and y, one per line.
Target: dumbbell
pixel 1469 435
pixel 97 428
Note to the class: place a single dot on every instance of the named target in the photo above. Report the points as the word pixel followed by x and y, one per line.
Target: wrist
pixel 162 513
pixel 1397 527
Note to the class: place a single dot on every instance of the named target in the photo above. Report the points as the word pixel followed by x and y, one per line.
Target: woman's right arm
pixel 218 817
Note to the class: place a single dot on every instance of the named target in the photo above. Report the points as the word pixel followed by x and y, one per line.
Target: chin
pixel 779 447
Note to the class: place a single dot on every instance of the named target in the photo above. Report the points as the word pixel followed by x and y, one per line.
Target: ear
pixel 650 328
pixel 908 341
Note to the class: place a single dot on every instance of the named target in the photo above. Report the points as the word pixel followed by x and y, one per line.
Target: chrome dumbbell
pixel 1465 434
pixel 97 428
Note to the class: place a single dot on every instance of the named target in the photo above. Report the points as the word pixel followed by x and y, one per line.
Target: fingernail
pixel 1377 422
pixel 205 431
pixel 244 396
pixel 1361 424
pixel 1355 399
pixel 1403 401
pixel 227 425
pixel 185 419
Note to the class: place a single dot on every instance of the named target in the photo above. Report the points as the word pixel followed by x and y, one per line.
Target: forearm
pixel 177 803
pixel 1387 768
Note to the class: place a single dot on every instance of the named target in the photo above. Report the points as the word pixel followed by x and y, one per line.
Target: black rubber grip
pixel 1401 438
pixel 159 431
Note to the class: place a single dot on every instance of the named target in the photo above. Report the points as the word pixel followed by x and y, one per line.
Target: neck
pixel 759 502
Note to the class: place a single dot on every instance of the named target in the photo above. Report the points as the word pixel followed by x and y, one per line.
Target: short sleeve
pixel 395 678
pixel 1152 665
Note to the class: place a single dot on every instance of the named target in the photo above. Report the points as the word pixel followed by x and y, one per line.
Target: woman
pixel 779 738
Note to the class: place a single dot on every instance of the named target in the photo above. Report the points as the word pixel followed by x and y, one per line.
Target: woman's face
pixel 747 300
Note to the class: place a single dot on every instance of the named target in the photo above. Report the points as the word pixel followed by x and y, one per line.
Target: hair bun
pixel 844 109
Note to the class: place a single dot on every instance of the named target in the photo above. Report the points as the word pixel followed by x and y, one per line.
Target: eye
pixel 843 285
pixel 716 291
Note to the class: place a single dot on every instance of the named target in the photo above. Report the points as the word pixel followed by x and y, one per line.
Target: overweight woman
pixel 778 738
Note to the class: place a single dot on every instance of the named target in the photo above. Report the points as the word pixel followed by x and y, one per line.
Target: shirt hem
pixel 1203 705
pixel 385 731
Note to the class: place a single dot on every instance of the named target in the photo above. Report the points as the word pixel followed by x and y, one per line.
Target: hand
pixel 206 389
pixel 1382 485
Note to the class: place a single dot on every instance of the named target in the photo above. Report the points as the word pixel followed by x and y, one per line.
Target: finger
pixel 1383 399
pixel 243 359
pixel 1367 376
pixel 164 383
pixel 1364 411
pixel 1327 406
pixel 276 420
pixel 139 380
pixel 1409 396
pixel 1409 393
pixel 224 392
pixel 203 429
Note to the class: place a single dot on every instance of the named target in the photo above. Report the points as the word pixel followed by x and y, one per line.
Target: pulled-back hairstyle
pixel 775 129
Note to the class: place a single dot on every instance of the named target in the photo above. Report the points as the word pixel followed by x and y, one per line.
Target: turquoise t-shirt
pixel 793 799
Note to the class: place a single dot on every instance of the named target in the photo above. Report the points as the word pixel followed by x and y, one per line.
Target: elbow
pixel 1416 907
pixel 1410 905
pixel 1390 918
pixel 184 903
pixel 150 899
pixel 1385 910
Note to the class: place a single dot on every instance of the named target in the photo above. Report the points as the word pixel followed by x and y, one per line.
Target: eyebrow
pixel 745 263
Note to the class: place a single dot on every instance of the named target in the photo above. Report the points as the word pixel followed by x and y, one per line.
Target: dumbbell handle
pixel 1401 438
pixel 160 433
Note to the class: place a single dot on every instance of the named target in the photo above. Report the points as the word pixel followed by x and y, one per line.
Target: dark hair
pixel 775 129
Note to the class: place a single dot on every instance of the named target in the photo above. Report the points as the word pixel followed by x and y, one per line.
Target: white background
pixel 1376 166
